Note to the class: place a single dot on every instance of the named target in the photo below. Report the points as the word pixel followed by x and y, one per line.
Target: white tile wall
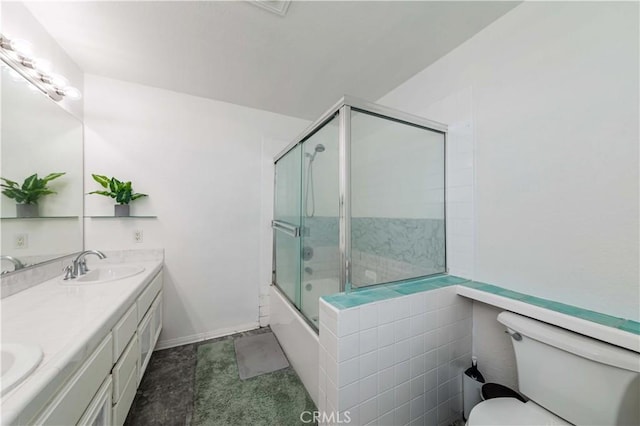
pixel 456 110
pixel 397 361
pixel 385 268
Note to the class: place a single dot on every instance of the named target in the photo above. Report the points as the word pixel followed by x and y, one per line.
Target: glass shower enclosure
pixel 359 201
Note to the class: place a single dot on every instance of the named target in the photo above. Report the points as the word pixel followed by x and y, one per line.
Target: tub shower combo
pixel 359 201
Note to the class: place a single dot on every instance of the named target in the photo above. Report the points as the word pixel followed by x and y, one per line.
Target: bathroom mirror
pixel 38 136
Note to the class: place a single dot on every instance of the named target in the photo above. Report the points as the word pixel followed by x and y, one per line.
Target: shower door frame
pixel 343 108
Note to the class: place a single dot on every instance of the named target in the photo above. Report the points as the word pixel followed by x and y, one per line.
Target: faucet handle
pixel 68 272
pixel 82 267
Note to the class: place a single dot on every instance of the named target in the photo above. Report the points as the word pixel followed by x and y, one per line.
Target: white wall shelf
pixel 40 217
pixel 122 217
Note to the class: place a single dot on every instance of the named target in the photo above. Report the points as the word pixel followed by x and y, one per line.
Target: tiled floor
pixel 166 394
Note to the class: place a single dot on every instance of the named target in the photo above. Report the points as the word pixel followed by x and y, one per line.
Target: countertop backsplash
pixel 16 282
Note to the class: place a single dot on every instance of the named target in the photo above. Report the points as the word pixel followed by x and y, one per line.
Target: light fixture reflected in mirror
pixel 17 54
pixel 72 93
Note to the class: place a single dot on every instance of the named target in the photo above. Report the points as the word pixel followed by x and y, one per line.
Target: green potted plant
pixel 122 192
pixel 28 194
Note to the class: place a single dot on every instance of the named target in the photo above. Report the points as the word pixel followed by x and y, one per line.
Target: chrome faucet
pixel 16 263
pixel 80 265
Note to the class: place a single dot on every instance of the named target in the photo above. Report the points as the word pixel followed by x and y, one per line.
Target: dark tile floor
pixel 165 395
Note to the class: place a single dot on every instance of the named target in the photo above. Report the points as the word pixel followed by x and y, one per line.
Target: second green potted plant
pixel 29 193
pixel 121 191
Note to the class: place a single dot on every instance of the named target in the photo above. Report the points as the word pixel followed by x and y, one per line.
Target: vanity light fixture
pixel 17 54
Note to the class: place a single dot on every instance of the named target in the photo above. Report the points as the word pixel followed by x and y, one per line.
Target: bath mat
pixel 259 354
pixel 222 399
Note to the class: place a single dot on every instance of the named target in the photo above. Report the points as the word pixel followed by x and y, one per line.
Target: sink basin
pixel 18 361
pixel 105 273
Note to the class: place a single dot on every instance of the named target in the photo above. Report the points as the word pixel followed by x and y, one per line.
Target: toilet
pixel 569 379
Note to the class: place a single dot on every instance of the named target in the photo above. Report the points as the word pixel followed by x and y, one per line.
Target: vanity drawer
pixel 69 404
pixel 147 296
pixel 123 368
pixel 99 411
pixel 121 408
pixel 123 331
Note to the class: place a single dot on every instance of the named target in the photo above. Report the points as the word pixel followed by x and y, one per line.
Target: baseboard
pixel 194 338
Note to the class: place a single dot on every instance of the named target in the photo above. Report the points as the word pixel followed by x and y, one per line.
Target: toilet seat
pixel 511 412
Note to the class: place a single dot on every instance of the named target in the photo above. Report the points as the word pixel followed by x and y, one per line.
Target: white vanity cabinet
pixel 102 390
pixel 99 411
pixel 70 403
pixel 143 326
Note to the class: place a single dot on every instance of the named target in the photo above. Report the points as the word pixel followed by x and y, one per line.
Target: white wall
pixel 555 129
pixel 200 162
pixel 18 23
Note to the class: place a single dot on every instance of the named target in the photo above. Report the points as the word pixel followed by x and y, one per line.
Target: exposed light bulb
pixel 58 81
pixel 43 66
pixel 21 47
pixel 72 93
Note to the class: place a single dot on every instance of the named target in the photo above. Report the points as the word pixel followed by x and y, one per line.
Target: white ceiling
pixel 298 65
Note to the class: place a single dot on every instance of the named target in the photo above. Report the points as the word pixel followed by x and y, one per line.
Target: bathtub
pixel 298 340
pixel 311 291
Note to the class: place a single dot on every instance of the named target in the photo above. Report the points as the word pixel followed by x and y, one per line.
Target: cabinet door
pixel 121 408
pixel 157 318
pixel 145 334
pixel 99 411
pixel 148 333
pixel 69 404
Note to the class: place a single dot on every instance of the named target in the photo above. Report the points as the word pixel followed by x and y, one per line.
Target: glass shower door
pixel 286 224
pixel 320 218
pixel 306 221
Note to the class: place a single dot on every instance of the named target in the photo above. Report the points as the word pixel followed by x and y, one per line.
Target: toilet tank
pixel 583 380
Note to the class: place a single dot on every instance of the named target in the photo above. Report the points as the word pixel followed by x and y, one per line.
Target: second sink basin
pixel 106 273
pixel 18 361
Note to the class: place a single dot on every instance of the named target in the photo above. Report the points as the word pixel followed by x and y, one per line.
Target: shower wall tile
pixel 321 230
pixel 389 249
pixel 323 264
pixel 407 365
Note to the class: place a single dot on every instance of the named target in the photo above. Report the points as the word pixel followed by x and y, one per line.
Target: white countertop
pixel 68 323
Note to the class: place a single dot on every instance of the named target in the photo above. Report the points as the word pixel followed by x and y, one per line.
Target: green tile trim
pixel 377 293
pixel 364 295
pixel 630 326
pixel 574 311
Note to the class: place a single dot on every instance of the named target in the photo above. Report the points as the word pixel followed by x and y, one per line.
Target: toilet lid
pixel 512 412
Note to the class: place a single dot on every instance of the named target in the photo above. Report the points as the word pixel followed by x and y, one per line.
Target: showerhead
pixel 317 149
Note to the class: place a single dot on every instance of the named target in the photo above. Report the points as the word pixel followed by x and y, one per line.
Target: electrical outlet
pixel 138 236
pixel 21 241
